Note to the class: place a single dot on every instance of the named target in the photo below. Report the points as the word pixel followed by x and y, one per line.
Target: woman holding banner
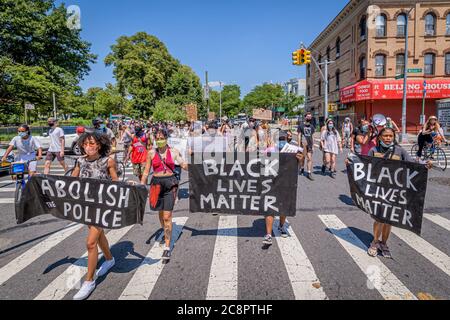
pixel 386 148
pixel 95 164
pixel 164 184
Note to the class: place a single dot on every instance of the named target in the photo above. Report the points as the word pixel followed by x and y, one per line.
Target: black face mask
pixel 289 139
pixel 51 124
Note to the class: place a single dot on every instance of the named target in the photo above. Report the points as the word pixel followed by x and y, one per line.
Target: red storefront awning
pixel 393 89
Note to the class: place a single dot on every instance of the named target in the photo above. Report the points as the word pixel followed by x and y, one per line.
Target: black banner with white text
pixel 244 184
pixel 101 203
pixel 392 192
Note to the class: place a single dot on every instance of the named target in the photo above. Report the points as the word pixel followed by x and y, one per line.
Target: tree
pixel 231 100
pixel 39 54
pixel 265 96
pixel 142 67
pixel 166 110
pixel 291 102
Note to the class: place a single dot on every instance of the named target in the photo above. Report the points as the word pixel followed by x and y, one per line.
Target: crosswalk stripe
pixel 144 279
pixel 299 268
pixel 7 189
pixel 71 277
pixel 35 252
pixel 379 276
pixel 223 276
pixel 436 219
pixel 7 201
pixel 6 182
pixel 434 255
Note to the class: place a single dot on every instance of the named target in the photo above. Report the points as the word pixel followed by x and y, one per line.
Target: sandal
pixel 373 250
pixel 385 251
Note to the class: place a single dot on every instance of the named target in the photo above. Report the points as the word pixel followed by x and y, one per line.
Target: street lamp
pixel 218 84
pixel 404 136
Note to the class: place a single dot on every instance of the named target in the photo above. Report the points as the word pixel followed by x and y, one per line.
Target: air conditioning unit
pixel 429 32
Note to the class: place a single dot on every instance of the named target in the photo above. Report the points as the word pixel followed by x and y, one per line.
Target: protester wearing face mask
pixel 57 145
pixel 306 138
pixel 386 148
pixel 137 152
pixel 331 145
pixel 26 146
pixel 366 138
pixel 164 184
pixel 95 164
pixel 100 127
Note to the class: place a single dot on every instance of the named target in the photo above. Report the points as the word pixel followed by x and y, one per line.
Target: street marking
pixel 35 252
pixel 7 189
pixel 144 279
pixel 378 275
pixel 440 221
pixel 72 276
pixel 299 268
pixel 7 201
pixel 434 255
pixel 6 182
pixel 223 278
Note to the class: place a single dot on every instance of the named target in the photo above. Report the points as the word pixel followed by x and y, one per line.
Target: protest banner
pixel 243 185
pixel 262 114
pixel 101 203
pixel 191 112
pixel 180 144
pixel 391 191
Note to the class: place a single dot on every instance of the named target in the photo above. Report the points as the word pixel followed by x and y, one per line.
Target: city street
pixel 222 257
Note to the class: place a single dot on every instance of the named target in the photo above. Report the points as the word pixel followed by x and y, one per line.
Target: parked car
pixel 70 142
pixel 4 167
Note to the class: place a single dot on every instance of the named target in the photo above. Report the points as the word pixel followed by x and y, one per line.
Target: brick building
pixel 367 40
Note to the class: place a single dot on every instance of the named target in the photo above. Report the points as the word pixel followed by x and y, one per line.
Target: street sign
pixel 415 70
pixel 29 106
pixel 400 76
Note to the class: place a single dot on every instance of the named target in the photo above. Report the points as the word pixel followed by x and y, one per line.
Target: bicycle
pixel 431 152
pixel 18 170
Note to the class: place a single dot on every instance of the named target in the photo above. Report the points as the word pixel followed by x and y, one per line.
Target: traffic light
pixel 302 56
pixel 307 57
pixel 296 58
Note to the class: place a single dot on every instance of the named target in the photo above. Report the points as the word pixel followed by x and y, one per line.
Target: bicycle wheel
pixel 414 150
pixel 440 159
pixel 18 197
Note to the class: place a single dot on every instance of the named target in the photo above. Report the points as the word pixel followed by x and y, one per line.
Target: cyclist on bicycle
pixel 26 146
pixel 347 129
pixel 430 130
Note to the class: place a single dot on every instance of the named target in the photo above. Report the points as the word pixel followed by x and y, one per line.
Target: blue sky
pixel 244 42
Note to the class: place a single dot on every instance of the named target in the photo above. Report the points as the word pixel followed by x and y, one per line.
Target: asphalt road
pixel 325 257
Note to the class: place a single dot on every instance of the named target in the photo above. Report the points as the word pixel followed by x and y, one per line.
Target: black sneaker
pixel 323 169
pixel 333 175
pixel 283 231
pixel 310 177
pixel 302 172
pixel 166 254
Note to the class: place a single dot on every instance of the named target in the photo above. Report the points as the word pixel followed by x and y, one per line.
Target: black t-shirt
pixel 307 131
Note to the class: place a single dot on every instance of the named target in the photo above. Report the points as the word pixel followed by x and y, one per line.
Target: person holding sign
pixel 386 148
pixel 331 144
pixel 366 138
pixel 164 184
pixel 95 164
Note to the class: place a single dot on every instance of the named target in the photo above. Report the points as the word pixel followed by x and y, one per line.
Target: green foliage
pixel 166 109
pixel 265 96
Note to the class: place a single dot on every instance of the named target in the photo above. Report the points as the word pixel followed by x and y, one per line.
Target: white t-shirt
pixel 55 143
pixel 26 149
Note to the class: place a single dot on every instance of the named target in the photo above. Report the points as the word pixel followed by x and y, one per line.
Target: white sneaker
pixel 105 267
pixel 85 291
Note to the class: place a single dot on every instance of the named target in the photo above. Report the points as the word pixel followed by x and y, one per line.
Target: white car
pixel 70 142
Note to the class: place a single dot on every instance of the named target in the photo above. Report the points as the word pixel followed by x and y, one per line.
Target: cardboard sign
pixel 191 112
pixel 211 116
pixel 262 114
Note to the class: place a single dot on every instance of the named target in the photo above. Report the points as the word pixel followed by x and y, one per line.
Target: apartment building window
pixel 319 84
pixel 400 64
pixel 401 25
pixel 338 80
pixel 362 68
pixel 447 25
pixel 447 64
pixel 308 91
pixel 363 28
pixel 328 84
pixel 319 61
pixel 380 65
pixel 328 53
pixel 429 64
pixel 430 24
pixel 380 24
pixel 338 47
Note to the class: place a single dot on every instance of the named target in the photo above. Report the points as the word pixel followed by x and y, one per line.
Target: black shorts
pixel 168 194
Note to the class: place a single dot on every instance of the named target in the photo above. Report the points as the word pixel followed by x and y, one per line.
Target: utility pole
pixel 54 106
pixel 404 136
pixel 220 101
pixel 207 92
